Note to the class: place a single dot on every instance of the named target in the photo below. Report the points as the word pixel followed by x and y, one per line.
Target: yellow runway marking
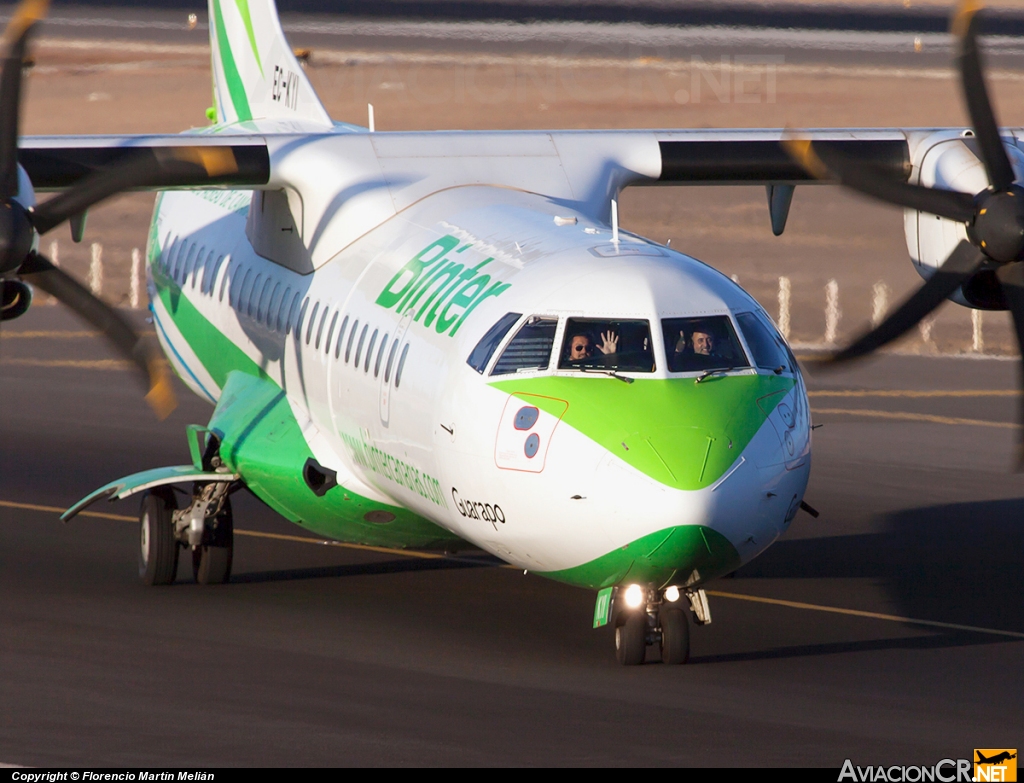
pixel 924 393
pixel 56 510
pixel 81 364
pixel 893 618
pixel 924 417
pixel 251 533
pixel 435 556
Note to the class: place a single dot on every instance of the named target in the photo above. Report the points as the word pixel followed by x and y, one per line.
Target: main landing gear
pixel 205 526
pixel 646 616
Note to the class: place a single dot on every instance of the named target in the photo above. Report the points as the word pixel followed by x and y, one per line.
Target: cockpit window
pixel 484 350
pixel 607 344
pixel 767 346
pixel 530 349
pixel 698 344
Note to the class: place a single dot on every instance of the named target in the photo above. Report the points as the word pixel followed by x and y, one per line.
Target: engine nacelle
pixel 950 161
pixel 15 301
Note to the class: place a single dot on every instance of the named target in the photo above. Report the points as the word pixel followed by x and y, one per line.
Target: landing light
pixel 634 596
pixel 672 594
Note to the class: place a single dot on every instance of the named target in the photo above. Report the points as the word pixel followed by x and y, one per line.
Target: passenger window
pixel 484 350
pixel 182 263
pixel 369 350
pixel 237 304
pixel 297 329
pixel 194 271
pixel 391 361
pixel 224 282
pixel 172 258
pixel 595 344
pixel 274 307
pixel 210 272
pixel 359 345
pixel 530 349
pixel 262 307
pixel 401 365
pixel 282 310
pixel 309 324
pixel 699 344
pixel 341 338
pixel 253 298
pixel 320 328
pixel 296 313
pixel 330 333
pixel 380 355
pixel 351 339
pixel 766 345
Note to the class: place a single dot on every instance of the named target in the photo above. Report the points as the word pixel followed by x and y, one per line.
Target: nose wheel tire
pixel 675 636
pixel 158 548
pixel 631 639
pixel 211 562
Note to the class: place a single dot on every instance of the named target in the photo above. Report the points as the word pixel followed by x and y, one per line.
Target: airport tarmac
pixel 888 631
pixel 317 654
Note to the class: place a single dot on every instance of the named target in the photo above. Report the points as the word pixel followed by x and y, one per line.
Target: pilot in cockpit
pixel 699 344
pixel 581 347
pixel 700 341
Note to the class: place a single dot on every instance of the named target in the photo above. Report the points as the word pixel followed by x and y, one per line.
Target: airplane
pixel 441 339
pixel 996 759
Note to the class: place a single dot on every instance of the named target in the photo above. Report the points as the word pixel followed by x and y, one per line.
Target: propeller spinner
pixel 994 218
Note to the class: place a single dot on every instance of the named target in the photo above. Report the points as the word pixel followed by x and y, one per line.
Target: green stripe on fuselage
pixel 686 554
pixel 683 434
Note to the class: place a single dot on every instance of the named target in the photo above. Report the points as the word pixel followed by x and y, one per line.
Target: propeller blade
pixel 40 272
pixel 822 162
pixel 15 41
pixel 979 107
pixel 1011 276
pixel 957 269
pixel 154 168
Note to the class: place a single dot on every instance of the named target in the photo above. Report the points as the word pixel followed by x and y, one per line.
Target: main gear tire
pixel 158 548
pixel 675 636
pixel 211 561
pixel 631 638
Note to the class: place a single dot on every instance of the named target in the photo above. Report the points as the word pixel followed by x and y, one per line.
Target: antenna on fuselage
pixel 369 112
pixel 615 221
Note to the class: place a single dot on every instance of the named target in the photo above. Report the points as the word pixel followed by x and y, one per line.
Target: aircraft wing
pixel 57 162
pixel 666 156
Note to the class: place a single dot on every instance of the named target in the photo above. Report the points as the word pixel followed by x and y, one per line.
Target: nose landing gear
pixel 205 526
pixel 644 618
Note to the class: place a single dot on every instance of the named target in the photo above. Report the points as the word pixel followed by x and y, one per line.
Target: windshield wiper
pixel 709 373
pixel 609 373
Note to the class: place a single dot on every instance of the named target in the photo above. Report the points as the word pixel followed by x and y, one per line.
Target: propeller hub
pixel 998 227
pixel 16 236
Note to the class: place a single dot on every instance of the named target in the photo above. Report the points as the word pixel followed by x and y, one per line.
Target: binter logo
pixel 439 288
pixel 996 764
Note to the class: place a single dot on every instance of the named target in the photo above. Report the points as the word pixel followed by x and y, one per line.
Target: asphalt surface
pixel 323 655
